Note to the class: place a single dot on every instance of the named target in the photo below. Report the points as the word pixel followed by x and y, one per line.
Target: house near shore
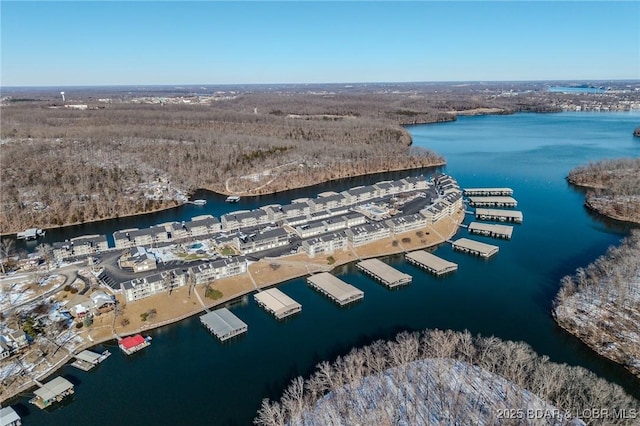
pixel 140 237
pixel 400 224
pixel 140 288
pixel 324 245
pixel 218 269
pixel 368 233
pixel 266 240
pixel 80 246
pixel 138 260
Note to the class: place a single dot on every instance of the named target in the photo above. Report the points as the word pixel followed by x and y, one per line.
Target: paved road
pixel 70 272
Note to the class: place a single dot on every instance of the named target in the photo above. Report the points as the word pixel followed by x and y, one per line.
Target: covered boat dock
pixel 277 303
pixel 490 230
pixel 430 262
pixel 334 288
pixel 51 392
pixel 484 192
pixel 384 273
pixel 466 245
pixel 501 215
pixel 223 324
pixel 493 202
pixel 86 360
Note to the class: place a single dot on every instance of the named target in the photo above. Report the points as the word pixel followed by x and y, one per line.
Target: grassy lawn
pixel 228 251
pixel 213 294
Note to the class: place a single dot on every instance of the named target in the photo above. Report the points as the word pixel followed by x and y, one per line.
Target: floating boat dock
pixel 384 273
pixel 493 202
pixel 484 192
pixel 475 247
pixel 86 360
pixel 430 262
pixel 132 344
pixel 9 417
pixel 334 288
pixel 501 215
pixel 223 324
pixel 277 303
pixel 51 392
pixel 30 234
pixel 490 230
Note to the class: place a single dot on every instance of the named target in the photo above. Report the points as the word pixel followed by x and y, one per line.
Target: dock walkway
pixel 430 262
pixel 277 303
pixel 384 273
pixel 223 324
pixel 334 288
pixel 466 245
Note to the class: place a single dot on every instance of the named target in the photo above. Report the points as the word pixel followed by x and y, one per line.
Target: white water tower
pixel 62 93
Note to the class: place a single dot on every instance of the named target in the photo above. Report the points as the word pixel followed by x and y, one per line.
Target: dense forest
pixel 600 304
pixel 445 377
pixel 113 152
pixel 61 165
pixel 614 187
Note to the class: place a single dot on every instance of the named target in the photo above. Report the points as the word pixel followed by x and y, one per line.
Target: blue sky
pixel 105 43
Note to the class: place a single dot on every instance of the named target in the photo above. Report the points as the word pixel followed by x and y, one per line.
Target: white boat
pixel 199 202
pixel 30 234
pixel 232 199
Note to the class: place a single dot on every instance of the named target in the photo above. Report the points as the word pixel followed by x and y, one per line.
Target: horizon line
pixel 318 83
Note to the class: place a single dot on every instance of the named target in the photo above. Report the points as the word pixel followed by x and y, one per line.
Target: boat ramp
pixel 430 262
pixel 277 303
pixel 466 245
pixel 223 324
pixel 384 273
pixel 492 202
pixel 490 230
pixel 86 360
pixel 334 288
pixel 484 192
pixel 501 215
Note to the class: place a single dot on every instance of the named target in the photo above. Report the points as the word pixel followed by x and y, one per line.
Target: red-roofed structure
pixel 132 344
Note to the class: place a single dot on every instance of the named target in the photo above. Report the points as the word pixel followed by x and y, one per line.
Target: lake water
pixel 187 377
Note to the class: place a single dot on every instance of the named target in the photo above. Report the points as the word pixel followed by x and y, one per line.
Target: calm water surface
pixel 187 377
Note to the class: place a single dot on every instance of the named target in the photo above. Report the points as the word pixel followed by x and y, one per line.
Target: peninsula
pixel 156 276
pixel 613 187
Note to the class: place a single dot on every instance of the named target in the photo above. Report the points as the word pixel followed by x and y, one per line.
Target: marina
pixel 499 215
pixel 430 262
pixel 466 245
pixel 277 303
pixel 223 324
pixel 86 360
pixel 384 273
pixel 484 192
pixel 51 392
pixel 491 230
pixel 493 202
pixel 334 288
pixel 132 344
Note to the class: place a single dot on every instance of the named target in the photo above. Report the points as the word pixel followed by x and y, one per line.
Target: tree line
pixel 614 187
pixel 384 384
pixel 600 304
